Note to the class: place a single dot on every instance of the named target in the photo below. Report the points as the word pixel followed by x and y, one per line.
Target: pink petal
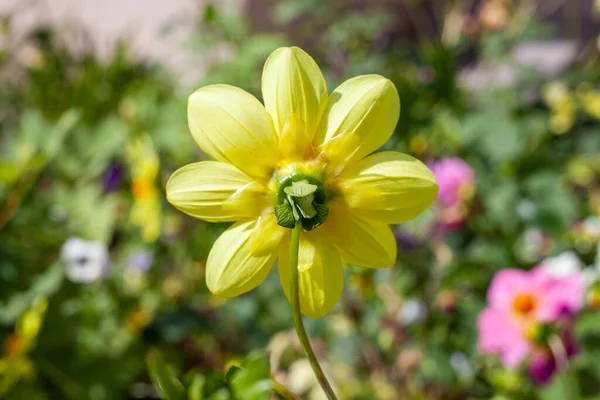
pixel 499 335
pixel 506 285
pixel 452 174
pixel 561 297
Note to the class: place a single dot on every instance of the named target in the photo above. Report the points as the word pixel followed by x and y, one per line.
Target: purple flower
pixel 406 241
pixel 140 260
pixel 113 177
pixel 546 362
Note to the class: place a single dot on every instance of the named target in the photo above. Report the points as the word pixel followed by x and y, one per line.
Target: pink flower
pixel 456 180
pixel 519 304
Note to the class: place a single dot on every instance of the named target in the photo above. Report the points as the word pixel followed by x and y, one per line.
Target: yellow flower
pixel 301 140
pixel 145 165
pixel 15 363
pixel 562 106
pixel 590 100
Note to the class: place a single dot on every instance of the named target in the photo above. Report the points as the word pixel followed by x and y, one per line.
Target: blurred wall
pixel 155 28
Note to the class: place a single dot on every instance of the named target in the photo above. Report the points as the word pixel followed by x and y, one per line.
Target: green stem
pixel 561 357
pixel 284 391
pixel 297 315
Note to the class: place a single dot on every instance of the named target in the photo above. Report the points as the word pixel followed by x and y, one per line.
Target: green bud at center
pixel 302 194
pixel 299 204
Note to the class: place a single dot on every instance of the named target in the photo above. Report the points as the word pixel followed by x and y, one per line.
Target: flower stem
pixel 284 391
pixel 559 352
pixel 297 315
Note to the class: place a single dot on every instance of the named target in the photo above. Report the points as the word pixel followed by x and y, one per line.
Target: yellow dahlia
pixel 304 156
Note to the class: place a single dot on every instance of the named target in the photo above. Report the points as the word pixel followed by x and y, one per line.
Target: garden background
pixel 100 276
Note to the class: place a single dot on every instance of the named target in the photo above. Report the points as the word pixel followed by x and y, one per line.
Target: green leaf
pixel 285 215
pixel 231 372
pixel 58 134
pixel 253 380
pixel 322 214
pixel 497 135
pixel 196 389
pixel 163 377
pixel 44 285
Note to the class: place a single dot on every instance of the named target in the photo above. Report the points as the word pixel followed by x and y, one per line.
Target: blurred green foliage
pixel 67 120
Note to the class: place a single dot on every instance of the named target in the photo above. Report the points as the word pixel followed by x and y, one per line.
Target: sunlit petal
pixel 215 192
pixel 293 87
pixel 231 270
pixel 390 187
pixel 267 236
pixel 360 241
pixel 321 274
pixel 231 125
pixel 364 109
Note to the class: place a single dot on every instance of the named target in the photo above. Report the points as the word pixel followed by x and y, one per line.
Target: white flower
pixel 85 261
pixel 568 263
pixel 565 264
pixel 412 310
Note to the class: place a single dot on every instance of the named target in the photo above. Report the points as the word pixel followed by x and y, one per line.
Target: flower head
pixel 304 155
pixel 457 187
pixel 563 265
pixel 562 106
pixel 113 177
pixel 140 261
pixel 456 179
pixel 590 100
pixel 145 164
pixel 522 308
pixel 85 261
pixel 15 362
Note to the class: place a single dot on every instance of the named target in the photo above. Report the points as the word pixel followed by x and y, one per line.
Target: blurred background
pixel 96 268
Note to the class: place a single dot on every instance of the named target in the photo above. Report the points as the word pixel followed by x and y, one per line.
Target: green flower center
pixel 301 198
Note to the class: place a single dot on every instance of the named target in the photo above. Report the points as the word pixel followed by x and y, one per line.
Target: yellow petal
pixel 231 125
pixel 248 201
pixel 360 241
pixel 293 87
pixel 267 236
pixel 215 192
pixel 365 110
pixel 231 270
pixel 390 187
pixel 294 142
pixel 321 273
